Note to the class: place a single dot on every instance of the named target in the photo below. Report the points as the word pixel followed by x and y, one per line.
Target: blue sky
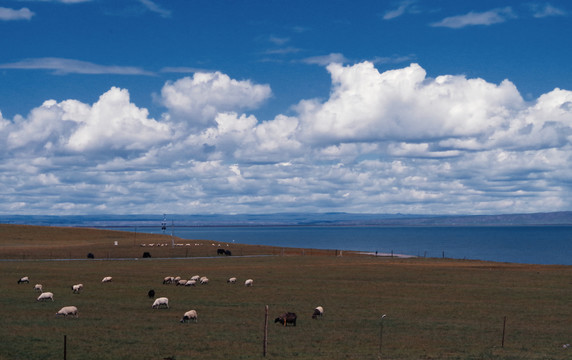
pixel 184 106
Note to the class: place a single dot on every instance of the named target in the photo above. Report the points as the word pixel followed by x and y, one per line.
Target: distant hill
pixel 293 219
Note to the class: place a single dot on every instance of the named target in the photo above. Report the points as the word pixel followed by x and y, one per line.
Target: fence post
pixel 503 331
pixel 65 347
pixel 265 342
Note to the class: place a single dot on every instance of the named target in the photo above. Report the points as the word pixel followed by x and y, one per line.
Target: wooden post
pixel 265 342
pixel 65 348
pixel 503 331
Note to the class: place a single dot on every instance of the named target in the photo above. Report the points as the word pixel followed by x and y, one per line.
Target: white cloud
pixel 404 105
pixel 326 59
pixel 7 14
pixel 153 7
pixel 392 141
pixel 546 10
pixel 197 100
pixel 71 66
pixel 113 123
pixel 490 17
pixel 402 8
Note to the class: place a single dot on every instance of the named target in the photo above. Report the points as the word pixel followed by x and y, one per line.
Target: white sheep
pixel 68 310
pixel 168 279
pixel 249 282
pixel 38 287
pixel 232 280
pixel 318 311
pixel 77 288
pixel 204 280
pixel 107 279
pixel 195 277
pixel 176 279
pixel 45 296
pixel 160 301
pixel 24 279
pixel 189 315
pixel 191 283
pixel 182 282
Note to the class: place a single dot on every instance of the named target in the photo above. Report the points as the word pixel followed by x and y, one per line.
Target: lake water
pixel 518 244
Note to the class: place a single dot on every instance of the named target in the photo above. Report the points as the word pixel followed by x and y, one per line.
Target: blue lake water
pixel 518 244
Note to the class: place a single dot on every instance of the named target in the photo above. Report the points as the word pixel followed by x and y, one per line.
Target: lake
pixel 518 244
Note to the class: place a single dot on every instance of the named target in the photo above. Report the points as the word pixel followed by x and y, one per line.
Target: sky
pixel 273 106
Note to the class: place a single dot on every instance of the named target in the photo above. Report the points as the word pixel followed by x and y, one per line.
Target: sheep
pixel 182 282
pixel 249 282
pixel 45 296
pixel 68 310
pixel 38 287
pixel 232 280
pixel 189 315
pixel 318 311
pixel 168 279
pixel 107 279
pixel 286 318
pixel 151 293
pixel 77 288
pixel 160 301
pixel 24 279
pixel 176 279
pixel 191 283
pixel 195 277
pixel 204 280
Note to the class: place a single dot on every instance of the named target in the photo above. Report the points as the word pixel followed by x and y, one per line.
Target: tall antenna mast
pixel 164 223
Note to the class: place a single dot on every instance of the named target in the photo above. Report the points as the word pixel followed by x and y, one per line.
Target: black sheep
pixel 151 293
pixel 286 318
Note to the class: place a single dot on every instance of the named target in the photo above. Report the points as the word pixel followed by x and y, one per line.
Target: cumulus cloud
pixel 7 14
pixel 392 141
pixel 404 105
pixel 490 17
pixel 111 126
pixel 197 100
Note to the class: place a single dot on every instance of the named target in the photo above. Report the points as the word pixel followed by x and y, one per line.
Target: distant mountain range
pixel 292 219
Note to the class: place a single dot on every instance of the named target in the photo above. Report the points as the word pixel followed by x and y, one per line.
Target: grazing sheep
pixel 160 301
pixel 318 311
pixel 249 282
pixel 107 279
pixel 45 296
pixel 24 279
pixel 38 287
pixel 189 315
pixel 204 280
pixel 191 283
pixel 77 288
pixel 168 279
pixel 195 277
pixel 176 279
pixel 68 310
pixel 232 280
pixel 286 318
pixel 220 251
pixel 151 293
pixel 182 282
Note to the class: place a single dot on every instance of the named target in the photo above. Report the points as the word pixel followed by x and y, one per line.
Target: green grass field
pixel 436 308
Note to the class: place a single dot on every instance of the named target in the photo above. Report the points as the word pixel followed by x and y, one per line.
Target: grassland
pixel 436 308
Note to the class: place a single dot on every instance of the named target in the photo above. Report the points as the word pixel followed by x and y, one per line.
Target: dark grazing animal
pixel 151 293
pixel 220 251
pixel 286 318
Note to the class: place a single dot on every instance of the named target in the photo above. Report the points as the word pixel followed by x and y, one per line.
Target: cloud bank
pixel 382 142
